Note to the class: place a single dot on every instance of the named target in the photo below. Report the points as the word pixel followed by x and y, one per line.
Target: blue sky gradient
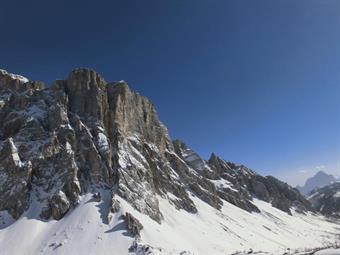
pixel 257 82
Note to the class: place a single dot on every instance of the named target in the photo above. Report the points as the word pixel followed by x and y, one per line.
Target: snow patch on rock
pixel 15 154
pixel 14 76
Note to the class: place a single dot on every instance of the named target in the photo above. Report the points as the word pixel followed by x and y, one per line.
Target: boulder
pixel 133 225
pixel 59 205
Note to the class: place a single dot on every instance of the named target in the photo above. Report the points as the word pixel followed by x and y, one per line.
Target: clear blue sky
pixel 257 82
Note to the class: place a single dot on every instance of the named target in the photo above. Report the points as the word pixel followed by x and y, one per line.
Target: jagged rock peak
pixel 87 93
pixel 213 157
pixel 191 157
pixel 17 82
pixel 85 77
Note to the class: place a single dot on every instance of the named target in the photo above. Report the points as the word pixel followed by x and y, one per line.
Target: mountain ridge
pixel 83 135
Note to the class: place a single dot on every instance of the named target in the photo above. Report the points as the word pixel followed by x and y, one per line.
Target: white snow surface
pixel 85 230
pixel 15 154
pixel 81 231
pixel 328 252
pixel 223 184
pixel 68 148
pixel 103 142
pixel 14 76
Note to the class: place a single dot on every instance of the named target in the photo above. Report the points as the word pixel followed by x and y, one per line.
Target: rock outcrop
pixel 15 180
pixel 133 225
pixel 82 134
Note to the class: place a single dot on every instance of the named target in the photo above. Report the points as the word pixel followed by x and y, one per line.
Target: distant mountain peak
pixel 320 179
pixel 321 173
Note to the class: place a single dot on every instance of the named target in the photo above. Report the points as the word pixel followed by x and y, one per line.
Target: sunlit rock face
pixel 82 134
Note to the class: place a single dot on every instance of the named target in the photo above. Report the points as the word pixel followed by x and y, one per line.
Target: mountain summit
pixel 84 159
pixel 319 180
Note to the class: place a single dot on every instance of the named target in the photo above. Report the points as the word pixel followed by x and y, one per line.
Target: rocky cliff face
pixel 83 134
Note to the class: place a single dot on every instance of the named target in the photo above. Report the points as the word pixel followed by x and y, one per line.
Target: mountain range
pixel 87 167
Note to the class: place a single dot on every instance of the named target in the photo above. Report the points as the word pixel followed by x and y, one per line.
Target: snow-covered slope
pixel 328 252
pixel 232 229
pixel 84 230
pixel 81 231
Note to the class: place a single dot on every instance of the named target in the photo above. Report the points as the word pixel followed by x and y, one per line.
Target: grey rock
pixel 249 184
pixel 87 95
pixel 284 196
pixel 17 82
pixel 59 205
pixel 15 180
pixel 97 197
pixel 260 190
pixel 133 225
pixel 115 205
